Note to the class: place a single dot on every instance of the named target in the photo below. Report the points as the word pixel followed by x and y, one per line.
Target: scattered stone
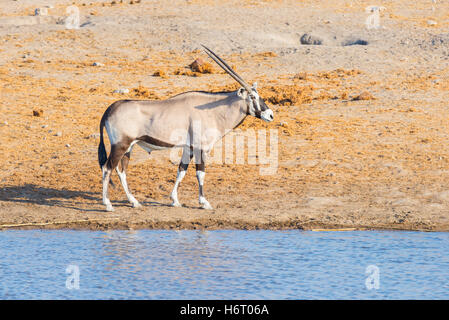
pixel 309 39
pixel 122 91
pixel 93 136
pixel 185 72
pixel 301 76
pixel 354 42
pixel 87 23
pixel 431 22
pixel 365 95
pixel 98 64
pixel 45 126
pixel 200 66
pixel 38 113
pixel 58 134
pixel 160 73
pixel 41 12
pixel 67 145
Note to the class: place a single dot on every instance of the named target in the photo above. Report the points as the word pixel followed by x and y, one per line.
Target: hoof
pixel 206 206
pixel 136 205
pixel 109 208
pixel 176 204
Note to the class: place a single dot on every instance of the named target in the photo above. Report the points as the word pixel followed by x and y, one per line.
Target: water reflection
pixel 223 264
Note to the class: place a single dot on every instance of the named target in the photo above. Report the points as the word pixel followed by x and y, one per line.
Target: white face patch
pixel 267 115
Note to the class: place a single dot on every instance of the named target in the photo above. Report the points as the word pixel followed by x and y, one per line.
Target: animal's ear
pixel 255 85
pixel 242 93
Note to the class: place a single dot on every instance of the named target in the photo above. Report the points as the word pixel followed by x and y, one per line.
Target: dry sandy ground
pixel 381 163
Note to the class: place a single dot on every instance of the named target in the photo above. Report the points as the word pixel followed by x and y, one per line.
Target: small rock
pixel 45 126
pixel 365 95
pixel 41 12
pixel 122 91
pixel 58 134
pixel 200 66
pixel 67 145
pixel 354 42
pixel 301 76
pixel 93 136
pixel 159 73
pixel 309 39
pixel 98 64
pixel 38 113
pixel 431 22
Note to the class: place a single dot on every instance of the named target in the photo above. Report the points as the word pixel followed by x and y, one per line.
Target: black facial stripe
pixel 255 103
pixel 263 105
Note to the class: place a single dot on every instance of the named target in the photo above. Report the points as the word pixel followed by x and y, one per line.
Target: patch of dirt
pixel 344 159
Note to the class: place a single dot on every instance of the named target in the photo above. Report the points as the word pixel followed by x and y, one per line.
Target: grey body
pixel 193 121
pixel 165 120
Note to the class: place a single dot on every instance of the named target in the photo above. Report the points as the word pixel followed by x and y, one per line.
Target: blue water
pixel 153 264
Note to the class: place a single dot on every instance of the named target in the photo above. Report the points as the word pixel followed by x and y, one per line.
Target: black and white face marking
pixel 257 107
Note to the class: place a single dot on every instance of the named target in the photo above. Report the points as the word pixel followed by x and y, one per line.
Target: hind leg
pixel 117 152
pixel 106 178
pixel 122 175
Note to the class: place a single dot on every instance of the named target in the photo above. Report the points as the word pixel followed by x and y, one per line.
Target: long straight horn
pixel 226 68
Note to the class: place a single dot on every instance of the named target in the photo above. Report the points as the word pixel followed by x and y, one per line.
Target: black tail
pixel 102 155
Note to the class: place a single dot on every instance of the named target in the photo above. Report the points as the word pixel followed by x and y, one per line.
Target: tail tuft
pixel 102 155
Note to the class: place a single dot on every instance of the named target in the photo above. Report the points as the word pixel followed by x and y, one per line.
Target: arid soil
pixel 362 119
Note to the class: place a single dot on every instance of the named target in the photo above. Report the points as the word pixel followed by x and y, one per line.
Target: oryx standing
pixel 192 120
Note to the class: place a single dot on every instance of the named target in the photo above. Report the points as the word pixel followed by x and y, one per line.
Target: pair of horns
pixel 227 68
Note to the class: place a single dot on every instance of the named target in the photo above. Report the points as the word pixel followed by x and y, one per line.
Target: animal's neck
pixel 232 116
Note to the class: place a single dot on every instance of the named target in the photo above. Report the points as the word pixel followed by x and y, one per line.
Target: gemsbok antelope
pixel 192 120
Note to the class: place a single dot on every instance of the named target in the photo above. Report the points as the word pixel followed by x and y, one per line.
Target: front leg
pixel 200 174
pixel 187 155
pixel 174 193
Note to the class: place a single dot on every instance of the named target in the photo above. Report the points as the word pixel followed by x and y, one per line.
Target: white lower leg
pixel 174 193
pixel 202 200
pixel 106 177
pixel 131 199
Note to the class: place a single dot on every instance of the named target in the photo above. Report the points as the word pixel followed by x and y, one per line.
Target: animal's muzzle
pixel 267 115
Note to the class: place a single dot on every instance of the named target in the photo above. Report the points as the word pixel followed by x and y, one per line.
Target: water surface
pixel 226 264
